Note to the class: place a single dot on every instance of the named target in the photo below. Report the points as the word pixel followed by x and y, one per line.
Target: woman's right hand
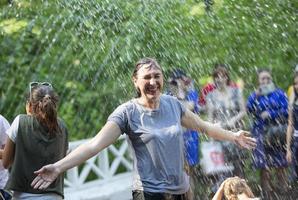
pixel 289 156
pixel 45 176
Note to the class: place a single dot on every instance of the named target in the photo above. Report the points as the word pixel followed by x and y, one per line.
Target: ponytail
pixel 44 107
pixel 49 113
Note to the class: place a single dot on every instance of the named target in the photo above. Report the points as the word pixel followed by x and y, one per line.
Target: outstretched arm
pixel 194 122
pixel 106 136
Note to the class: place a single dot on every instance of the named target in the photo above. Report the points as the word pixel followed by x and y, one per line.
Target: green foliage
pixel 87 49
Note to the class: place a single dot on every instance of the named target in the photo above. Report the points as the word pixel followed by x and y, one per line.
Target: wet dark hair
pixel 43 101
pixel 219 70
pixel 151 62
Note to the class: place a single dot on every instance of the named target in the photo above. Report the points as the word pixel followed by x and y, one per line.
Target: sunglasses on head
pixel 36 84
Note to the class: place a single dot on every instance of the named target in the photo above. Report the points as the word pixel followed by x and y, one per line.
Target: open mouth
pixel 152 90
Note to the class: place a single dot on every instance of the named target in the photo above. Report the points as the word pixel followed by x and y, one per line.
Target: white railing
pixel 102 167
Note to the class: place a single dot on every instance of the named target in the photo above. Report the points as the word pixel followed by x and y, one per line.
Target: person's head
pixel 179 83
pixel 42 103
pixel 221 75
pixel 264 76
pixel 266 84
pixel 236 186
pixel 148 79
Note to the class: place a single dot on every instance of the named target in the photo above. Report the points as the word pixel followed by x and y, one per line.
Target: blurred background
pixel 87 49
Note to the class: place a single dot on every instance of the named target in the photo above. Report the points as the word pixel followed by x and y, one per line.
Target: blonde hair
pixel 235 186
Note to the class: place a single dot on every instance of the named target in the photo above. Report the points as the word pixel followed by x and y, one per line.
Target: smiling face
pixel 149 82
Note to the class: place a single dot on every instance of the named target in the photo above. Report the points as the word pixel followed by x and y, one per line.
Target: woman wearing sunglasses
pixel 153 124
pixel 35 139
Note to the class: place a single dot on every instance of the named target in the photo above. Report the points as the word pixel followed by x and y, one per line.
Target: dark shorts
pixel 140 195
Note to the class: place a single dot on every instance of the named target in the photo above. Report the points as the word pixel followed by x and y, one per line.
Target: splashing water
pixel 87 49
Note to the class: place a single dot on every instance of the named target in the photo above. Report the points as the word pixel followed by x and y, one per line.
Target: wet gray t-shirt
pixel 156 139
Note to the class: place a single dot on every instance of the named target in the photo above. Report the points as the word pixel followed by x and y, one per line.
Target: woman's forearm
pixel 109 133
pixel 76 157
pixel 219 194
pixel 217 132
pixel 289 136
pixel 194 122
pixel 290 128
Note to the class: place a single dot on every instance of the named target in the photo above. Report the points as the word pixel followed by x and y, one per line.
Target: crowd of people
pixel 163 131
pixel 268 108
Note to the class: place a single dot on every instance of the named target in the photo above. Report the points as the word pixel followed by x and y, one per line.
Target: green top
pixel 34 148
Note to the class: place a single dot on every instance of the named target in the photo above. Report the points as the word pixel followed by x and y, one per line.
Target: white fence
pixel 106 176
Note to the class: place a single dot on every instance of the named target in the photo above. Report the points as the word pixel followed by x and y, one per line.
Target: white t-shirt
pixel 4 125
pixel 13 130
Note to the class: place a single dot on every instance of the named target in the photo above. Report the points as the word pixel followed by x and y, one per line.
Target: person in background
pixel 182 87
pixel 4 126
pixel 209 87
pixel 226 107
pixel 153 124
pixel 292 130
pixel 35 139
pixel 268 108
pixel 290 91
pixel 234 188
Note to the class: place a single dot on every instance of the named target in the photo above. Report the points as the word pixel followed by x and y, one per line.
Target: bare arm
pixel 8 153
pixel 106 136
pixel 290 131
pixel 194 122
pixel 219 193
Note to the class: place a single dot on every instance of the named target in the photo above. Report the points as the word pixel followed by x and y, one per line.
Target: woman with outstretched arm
pixel 153 124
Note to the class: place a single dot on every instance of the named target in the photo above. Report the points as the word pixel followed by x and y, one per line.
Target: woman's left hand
pixel 244 140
